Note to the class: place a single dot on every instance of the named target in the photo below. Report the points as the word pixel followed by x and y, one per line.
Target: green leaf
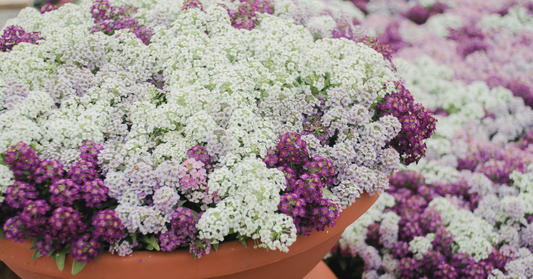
pixel 342 263
pixel 215 246
pixel 2 235
pixel 50 253
pixel 66 250
pixel 96 259
pixel 326 192
pixel 154 243
pixel 145 239
pixel 77 267
pixel 133 237
pixel 149 247
pixel 36 254
pixel 243 241
pixel 33 241
pixel 60 260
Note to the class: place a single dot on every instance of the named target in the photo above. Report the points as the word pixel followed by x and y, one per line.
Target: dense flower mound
pixel 481 40
pixel 142 125
pixel 465 210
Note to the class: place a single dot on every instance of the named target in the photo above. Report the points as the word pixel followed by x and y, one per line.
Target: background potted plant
pixel 164 125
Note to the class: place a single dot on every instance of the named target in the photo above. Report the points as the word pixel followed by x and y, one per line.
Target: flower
pixel 14 35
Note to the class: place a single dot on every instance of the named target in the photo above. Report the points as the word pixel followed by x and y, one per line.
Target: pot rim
pixel 231 257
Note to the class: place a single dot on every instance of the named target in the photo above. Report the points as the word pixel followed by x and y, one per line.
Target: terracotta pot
pixel 231 261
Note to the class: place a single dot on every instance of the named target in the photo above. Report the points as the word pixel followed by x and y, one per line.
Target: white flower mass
pixel 232 90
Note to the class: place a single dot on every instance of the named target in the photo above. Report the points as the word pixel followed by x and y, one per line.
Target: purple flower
pixel 400 249
pixel 189 4
pixel 89 151
pixel 108 19
pixel 108 226
pixel 46 244
pixel 48 171
pixel 392 37
pixel 246 14
pixel 418 14
pixel 469 40
pixel 438 8
pixel 94 193
pixel 82 171
pixel 64 192
pixel 199 153
pixel 22 160
pixel 85 248
pixel 66 223
pixel 182 229
pixel 14 35
pixel 19 193
pixel 48 8
pixel 32 212
pixel 445 271
pixel 417 124
pixel 408 267
pixel 14 229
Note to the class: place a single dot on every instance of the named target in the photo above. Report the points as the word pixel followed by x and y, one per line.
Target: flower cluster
pixel 247 13
pixel 464 211
pixel 14 35
pixel 144 125
pixel 417 124
pixel 46 6
pixel 108 19
pixel 182 230
pixel 307 179
pixel 63 219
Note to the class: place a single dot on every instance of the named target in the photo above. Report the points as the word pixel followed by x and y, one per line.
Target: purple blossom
pixel 19 193
pixel 48 8
pixel 14 35
pixel 66 223
pixel 22 160
pixel 189 4
pixel 392 37
pixel 14 229
pixel 86 248
pixel 400 249
pixel 418 14
pixel 417 124
pixel 469 40
pixel 64 192
pixel 46 244
pixel 306 177
pixel 199 153
pixel 48 171
pixel 94 193
pixel 89 151
pixel 445 271
pixel 108 226
pixel 82 171
pixel 438 8
pixel 108 19
pixel 344 30
pixel 408 267
pixel 182 229
pixel 247 13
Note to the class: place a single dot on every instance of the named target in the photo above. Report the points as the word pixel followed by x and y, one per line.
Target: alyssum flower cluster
pixel 157 125
pixel 466 209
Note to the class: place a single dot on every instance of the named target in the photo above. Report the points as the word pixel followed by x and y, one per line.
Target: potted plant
pixel 164 126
